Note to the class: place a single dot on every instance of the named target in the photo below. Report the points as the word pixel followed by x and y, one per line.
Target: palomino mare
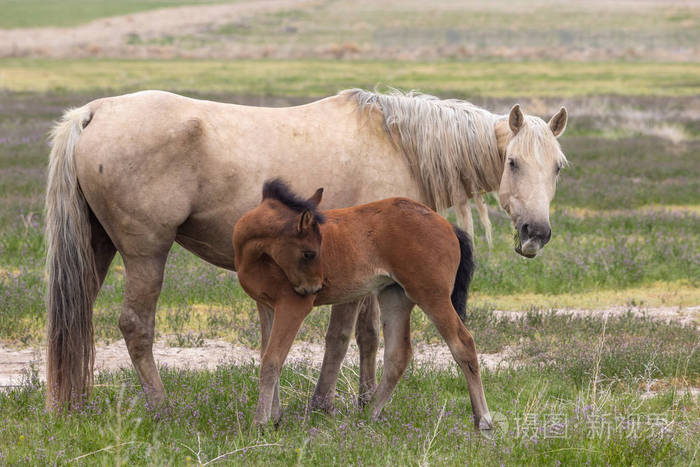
pixel 291 257
pixel 136 173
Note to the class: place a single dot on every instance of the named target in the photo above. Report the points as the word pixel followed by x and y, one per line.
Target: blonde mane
pixel 450 144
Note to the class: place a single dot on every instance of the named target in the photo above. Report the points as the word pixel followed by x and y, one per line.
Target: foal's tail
pixel 70 268
pixel 464 273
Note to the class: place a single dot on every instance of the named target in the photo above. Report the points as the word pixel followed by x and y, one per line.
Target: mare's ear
pixel 306 220
pixel 515 119
pixel 558 122
pixel 316 198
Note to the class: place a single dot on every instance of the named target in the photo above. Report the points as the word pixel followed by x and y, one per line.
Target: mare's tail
pixel 464 273
pixel 72 282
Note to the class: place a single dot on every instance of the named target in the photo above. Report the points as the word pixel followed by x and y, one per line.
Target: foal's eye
pixel 512 164
pixel 309 255
pixel 557 170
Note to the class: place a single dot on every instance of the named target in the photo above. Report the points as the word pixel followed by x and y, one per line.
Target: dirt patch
pixel 17 363
pixel 684 315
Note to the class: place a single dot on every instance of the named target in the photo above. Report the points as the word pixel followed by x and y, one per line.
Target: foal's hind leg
pixel 396 318
pixel 267 316
pixel 463 350
pixel 338 335
pixel 144 277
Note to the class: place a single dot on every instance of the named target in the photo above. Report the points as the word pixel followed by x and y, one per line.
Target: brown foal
pixel 290 257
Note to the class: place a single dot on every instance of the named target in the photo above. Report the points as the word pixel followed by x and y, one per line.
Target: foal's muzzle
pixel 308 289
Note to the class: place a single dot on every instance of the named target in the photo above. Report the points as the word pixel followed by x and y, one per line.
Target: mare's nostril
pixel 525 231
pixel 548 235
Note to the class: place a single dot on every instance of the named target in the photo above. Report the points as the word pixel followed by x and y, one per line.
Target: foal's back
pixel 396 240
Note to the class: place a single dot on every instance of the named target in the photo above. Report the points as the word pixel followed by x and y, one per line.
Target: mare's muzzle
pixel 532 236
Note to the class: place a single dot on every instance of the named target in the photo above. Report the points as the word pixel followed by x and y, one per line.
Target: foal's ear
pixel 316 198
pixel 515 119
pixel 558 122
pixel 306 220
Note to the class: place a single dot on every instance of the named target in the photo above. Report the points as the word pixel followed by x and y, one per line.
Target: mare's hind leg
pixel 144 277
pixel 367 336
pixel 396 318
pixel 338 335
pixel 102 247
pixel 461 344
pixel 267 316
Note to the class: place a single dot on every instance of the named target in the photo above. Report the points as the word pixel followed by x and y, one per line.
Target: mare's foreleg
pixel 464 217
pixel 484 216
pixel 367 337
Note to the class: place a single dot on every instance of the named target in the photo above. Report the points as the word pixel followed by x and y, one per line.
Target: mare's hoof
pixel 322 404
pixel 365 397
pixel 485 424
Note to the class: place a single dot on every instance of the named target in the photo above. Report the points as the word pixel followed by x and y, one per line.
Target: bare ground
pixel 17 363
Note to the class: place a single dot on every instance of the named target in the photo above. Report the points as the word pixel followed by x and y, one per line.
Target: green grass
pixel 37 13
pixel 322 77
pixel 582 374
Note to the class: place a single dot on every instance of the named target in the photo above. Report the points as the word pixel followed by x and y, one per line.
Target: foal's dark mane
pixel 279 190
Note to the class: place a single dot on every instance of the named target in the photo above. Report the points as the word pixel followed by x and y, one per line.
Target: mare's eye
pixel 512 164
pixel 309 255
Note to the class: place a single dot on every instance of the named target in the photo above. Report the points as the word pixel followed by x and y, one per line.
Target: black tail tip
pixel 465 271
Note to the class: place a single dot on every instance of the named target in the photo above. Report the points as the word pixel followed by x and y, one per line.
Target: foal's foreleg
pixel 287 321
pixel 396 317
pixel 144 278
pixel 267 315
pixel 343 319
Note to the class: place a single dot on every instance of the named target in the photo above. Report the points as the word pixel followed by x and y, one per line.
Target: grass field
pixel 38 13
pixel 305 78
pixel 576 389
pixel 576 399
pixel 407 30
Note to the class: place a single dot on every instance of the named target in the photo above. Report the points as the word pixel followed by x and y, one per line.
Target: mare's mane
pixel 279 190
pixel 450 144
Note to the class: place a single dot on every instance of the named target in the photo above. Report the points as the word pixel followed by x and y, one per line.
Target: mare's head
pixel 533 159
pixel 289 228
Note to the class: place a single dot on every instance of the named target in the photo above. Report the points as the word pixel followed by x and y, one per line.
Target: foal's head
pixel 292 235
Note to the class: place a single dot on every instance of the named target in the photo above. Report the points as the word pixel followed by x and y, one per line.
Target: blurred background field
pixel 626 217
